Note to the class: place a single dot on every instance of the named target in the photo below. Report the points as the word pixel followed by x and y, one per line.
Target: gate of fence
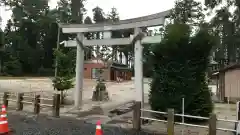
pixel 211 126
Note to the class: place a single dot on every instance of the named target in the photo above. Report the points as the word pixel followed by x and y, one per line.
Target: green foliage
pixel 88 49
pixel 45 71
pixel 62 83
pixel 31 35
pixel 64 79
pixel 1 39
pixel 147 69
pixel 98 15
pixel 225 26
pixel 187 11
pixel 12 67
pixel 66 62
pixel 180 63
pixel 212 3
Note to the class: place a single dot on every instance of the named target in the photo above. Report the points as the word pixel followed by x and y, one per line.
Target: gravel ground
pixel 22 124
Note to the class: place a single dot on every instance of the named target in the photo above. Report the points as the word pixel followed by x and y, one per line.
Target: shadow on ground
pixel 27 124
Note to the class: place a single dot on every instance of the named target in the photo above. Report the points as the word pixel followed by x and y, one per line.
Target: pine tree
pixel 113 16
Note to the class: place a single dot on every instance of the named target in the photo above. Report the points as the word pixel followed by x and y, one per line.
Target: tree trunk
pixel 62 98
pixel 120 57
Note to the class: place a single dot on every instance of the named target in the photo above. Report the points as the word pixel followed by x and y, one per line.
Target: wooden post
pixel 237 124
pixel 56 106
pixel 36 104
pixel 212 125
pixel 137 115
pixel 170 122
pixel 5 98
pixel 53 102
pixel 19 101
pixel 238 110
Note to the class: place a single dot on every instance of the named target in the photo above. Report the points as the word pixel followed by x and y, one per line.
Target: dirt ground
pixel 119 93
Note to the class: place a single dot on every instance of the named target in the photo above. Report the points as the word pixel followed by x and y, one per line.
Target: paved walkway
pixel 43 125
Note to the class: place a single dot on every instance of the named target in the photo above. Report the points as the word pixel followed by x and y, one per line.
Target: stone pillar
pixel 138 68
pixel 79 72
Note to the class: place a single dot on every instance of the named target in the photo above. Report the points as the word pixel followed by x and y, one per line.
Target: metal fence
pixel 189 116
pixel 211 126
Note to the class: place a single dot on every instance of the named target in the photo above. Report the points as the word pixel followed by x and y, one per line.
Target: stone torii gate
pixel 138 39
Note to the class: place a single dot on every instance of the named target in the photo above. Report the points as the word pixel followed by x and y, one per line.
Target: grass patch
pixel 224 106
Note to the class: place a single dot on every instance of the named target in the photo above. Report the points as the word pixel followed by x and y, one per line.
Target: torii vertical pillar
pixel 138 68
pixel 79 72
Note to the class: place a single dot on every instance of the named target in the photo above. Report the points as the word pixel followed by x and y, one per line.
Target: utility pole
pixel 56 61
pixel 58 44
pixel 2 41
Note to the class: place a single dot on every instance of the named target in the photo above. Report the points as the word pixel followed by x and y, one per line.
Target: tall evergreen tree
pixel 180 63
pixel 225 26
pixel 78 10
pixel 114 17
pixel 99 17
pixel 1 44
pixel 89 35
pixel 187 11
pixel 31 35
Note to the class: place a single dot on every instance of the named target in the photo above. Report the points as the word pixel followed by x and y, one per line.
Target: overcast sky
pixel 126 8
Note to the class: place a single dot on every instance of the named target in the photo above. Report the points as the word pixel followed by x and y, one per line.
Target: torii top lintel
pixel 145 21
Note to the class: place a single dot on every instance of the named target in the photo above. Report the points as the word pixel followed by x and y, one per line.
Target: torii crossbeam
pixel 136 23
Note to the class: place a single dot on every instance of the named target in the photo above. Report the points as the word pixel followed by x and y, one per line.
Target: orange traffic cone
pixel 98 128
pixel 3 121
